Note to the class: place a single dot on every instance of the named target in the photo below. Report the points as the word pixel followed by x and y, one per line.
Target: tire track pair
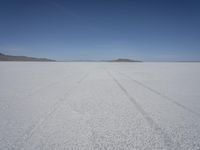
pixel 44 87
pixel 162 95
pixel 168 142
pixel 29 133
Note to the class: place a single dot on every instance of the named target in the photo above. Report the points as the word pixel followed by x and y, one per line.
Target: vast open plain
pixel 97 106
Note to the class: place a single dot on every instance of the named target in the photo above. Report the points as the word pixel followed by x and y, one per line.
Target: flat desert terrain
pixel 99 106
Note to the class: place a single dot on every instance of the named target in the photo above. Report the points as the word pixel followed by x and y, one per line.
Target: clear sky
pixel 101 29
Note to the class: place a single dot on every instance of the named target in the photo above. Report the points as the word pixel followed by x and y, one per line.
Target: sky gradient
pixel 160 30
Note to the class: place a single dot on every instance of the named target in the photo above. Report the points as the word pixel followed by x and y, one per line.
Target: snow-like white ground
pixel 97 106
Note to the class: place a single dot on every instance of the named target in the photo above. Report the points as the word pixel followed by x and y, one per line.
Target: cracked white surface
pixel 99 106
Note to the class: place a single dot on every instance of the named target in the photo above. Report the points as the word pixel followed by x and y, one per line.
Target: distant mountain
pixel 108 60
pixel 4 57
pixel 124 60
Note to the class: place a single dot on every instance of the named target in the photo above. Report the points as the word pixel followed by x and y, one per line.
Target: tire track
pixel 162 95
pixel 29 133
pixel 44 87
pixel 33 92
pixel 168 142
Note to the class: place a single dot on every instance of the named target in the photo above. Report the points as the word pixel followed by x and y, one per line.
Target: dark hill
pixel 4 57
pixel 124 60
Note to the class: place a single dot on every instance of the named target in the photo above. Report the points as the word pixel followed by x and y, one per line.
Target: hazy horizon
pixel 157 30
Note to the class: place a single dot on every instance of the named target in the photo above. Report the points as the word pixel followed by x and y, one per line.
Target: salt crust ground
pixel 93 106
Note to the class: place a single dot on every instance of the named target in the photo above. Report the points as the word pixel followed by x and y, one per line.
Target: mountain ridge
pixel 4 57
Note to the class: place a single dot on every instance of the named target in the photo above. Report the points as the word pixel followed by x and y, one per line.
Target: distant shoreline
pixel 4 57
pixel 11 58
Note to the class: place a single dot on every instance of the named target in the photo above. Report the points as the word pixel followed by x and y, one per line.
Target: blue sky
pixel 101 29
